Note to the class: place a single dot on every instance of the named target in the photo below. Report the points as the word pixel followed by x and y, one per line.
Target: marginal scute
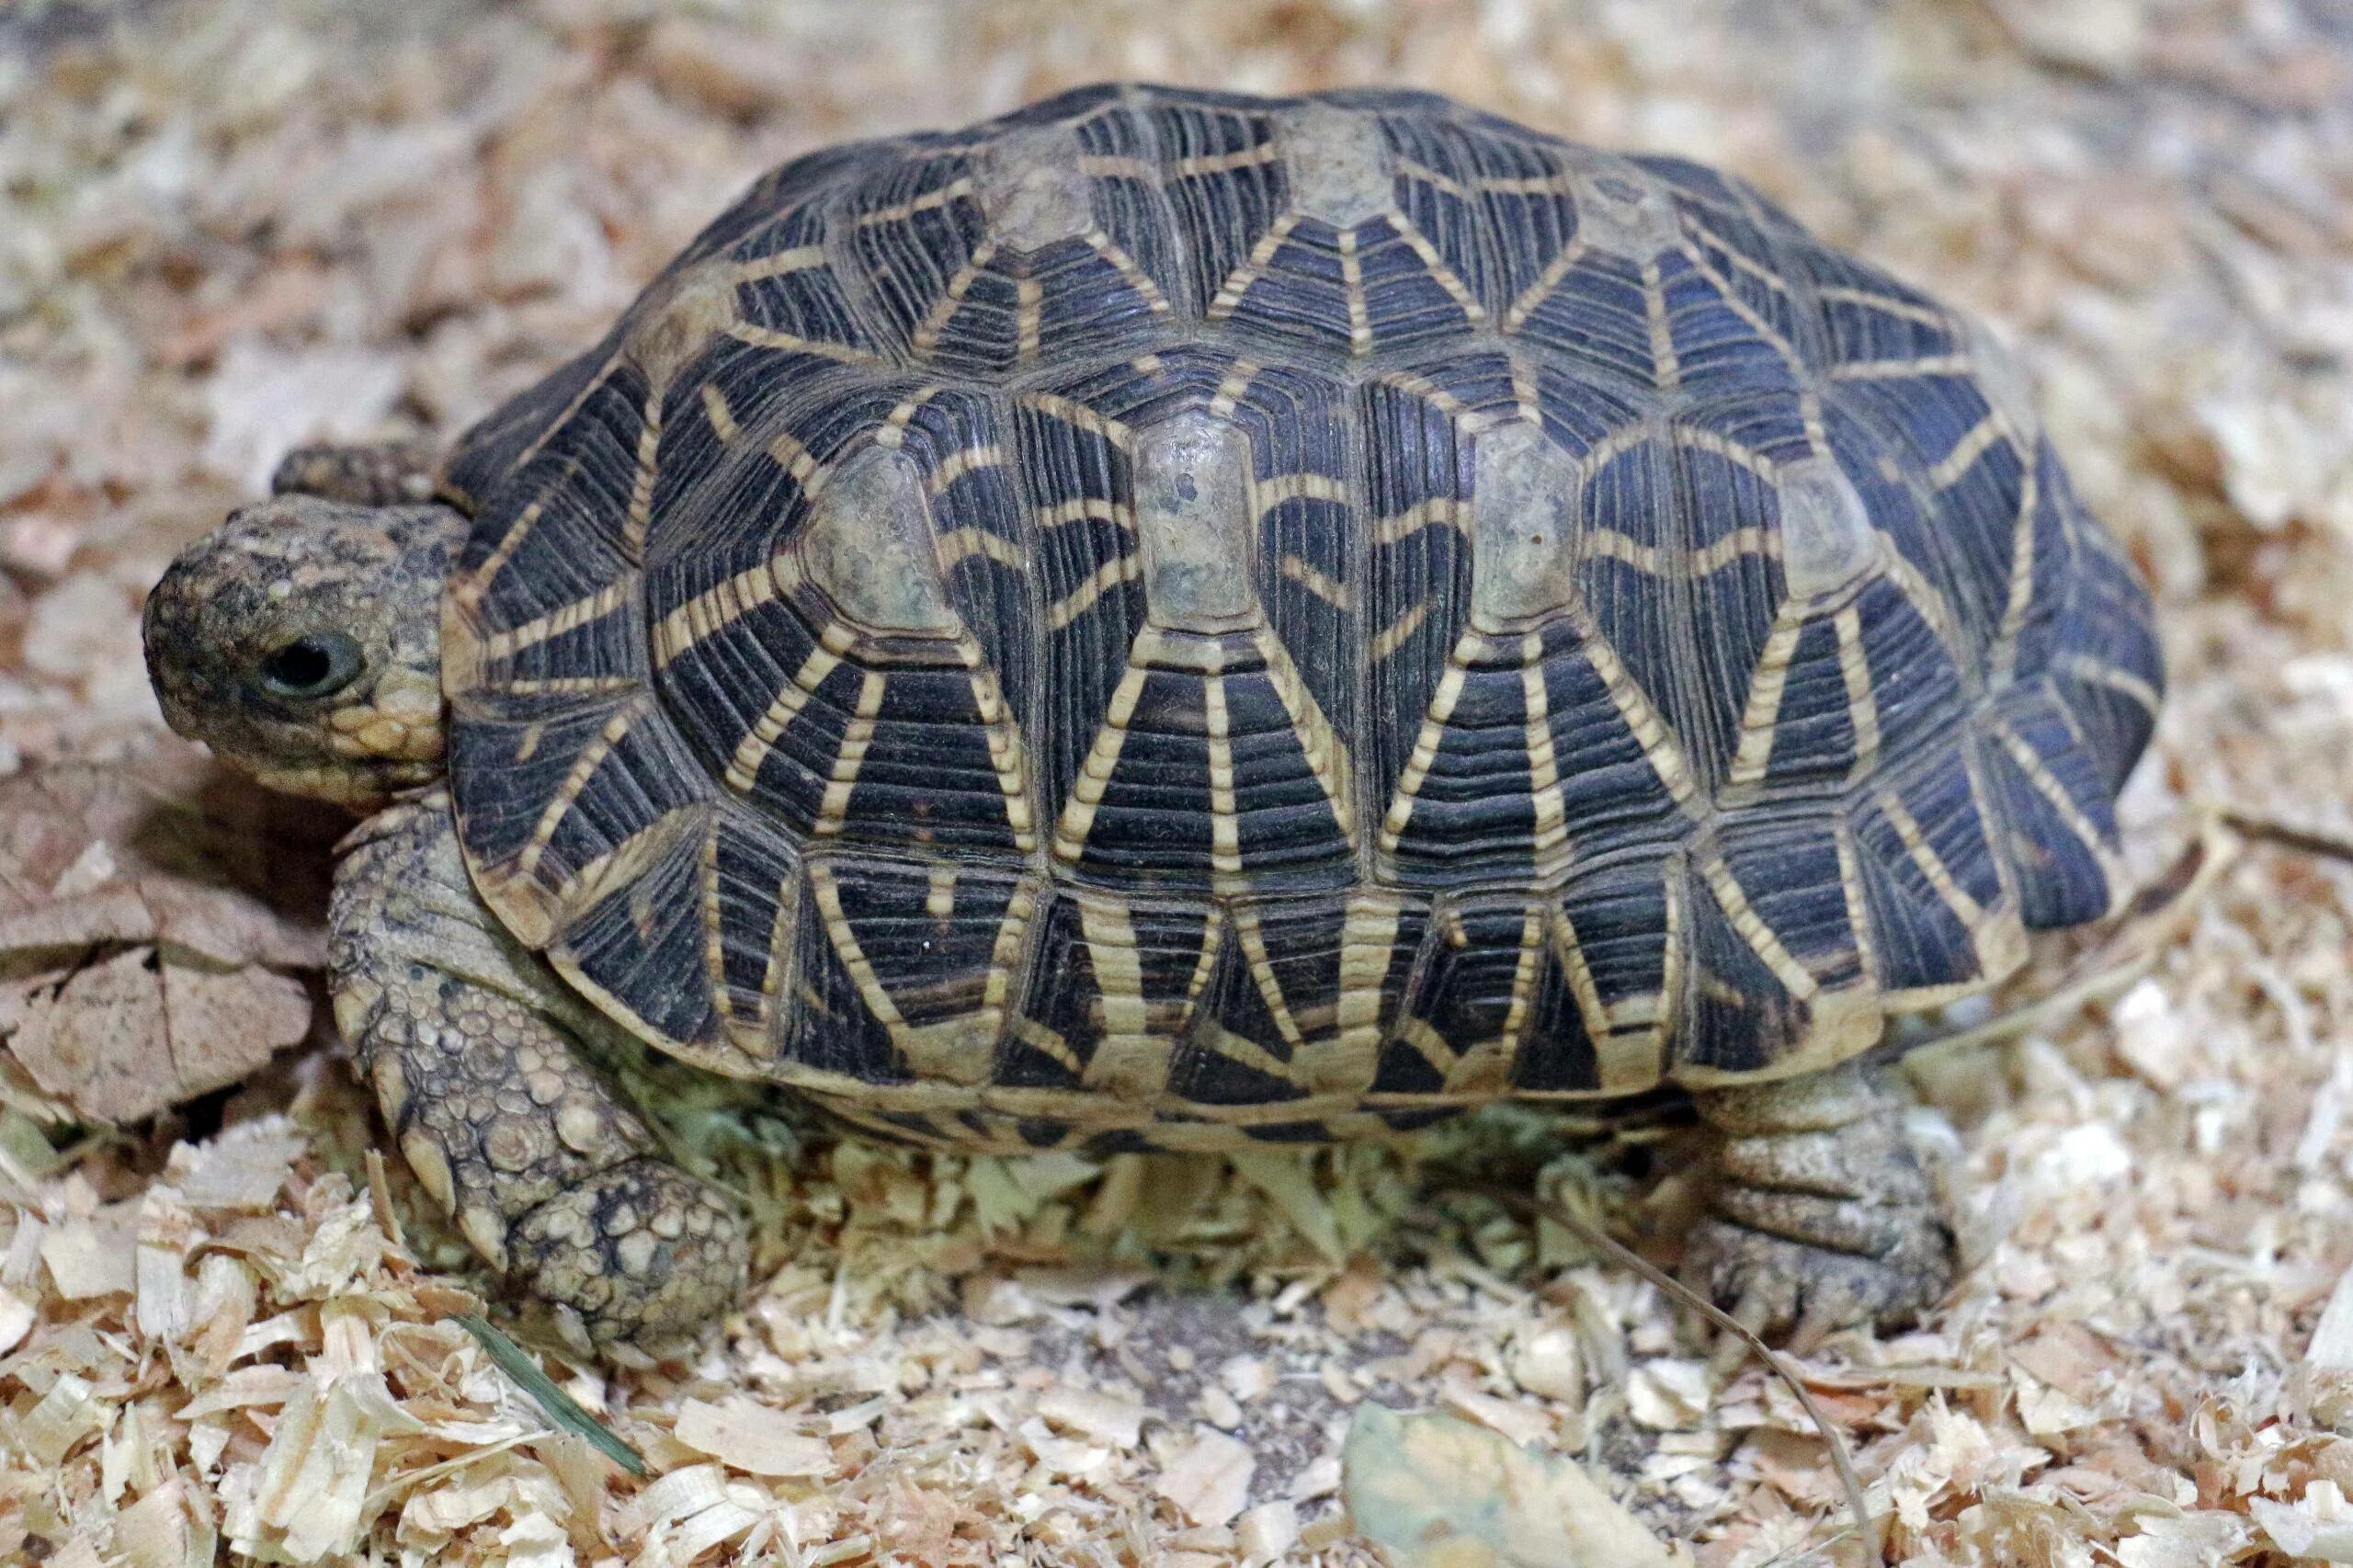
pixel 1827 540
pixel 1838 1026
pixel 870 546
pixel 1620 209
pixel 1031 190
pixel 1338 165
pixel 1523 528
pixel 1192 491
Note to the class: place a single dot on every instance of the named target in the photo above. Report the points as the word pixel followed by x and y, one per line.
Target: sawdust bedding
pixel 226 227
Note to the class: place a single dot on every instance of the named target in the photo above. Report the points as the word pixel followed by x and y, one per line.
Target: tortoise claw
pixel 1823 1217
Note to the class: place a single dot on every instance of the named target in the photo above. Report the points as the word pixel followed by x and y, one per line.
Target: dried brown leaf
pixel 148 921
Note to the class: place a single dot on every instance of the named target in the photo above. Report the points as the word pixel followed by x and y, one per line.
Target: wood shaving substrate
pixel 228 226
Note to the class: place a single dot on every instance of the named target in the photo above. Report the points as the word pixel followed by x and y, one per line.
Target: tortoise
pixel 1176 620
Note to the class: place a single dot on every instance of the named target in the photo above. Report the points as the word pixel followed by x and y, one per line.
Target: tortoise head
pixel 301 641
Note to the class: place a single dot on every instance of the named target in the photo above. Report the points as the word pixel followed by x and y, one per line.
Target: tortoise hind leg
pixel 469 1042
pixel 1822 1217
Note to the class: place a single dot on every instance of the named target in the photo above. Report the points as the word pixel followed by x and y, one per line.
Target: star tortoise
pixel 1178 620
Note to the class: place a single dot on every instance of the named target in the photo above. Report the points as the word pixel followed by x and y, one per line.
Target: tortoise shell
pixel 1173 617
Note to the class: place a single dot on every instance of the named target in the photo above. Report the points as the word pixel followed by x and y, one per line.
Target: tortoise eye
pixel 316 663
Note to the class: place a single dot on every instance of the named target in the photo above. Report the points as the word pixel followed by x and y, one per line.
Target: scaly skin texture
pixel 1823 1217
pixel 469 1042
pixel 302 565
pixel 392 474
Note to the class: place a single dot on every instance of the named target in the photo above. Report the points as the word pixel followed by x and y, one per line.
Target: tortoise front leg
pixel 469 1042
pixel 1822 1216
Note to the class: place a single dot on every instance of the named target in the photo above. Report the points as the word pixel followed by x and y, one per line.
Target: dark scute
pixel 1790 871
pixel 643 943
pixel 2061 879
pixel 1556 1052
pixel 758 874
pixel 1619 912
pixel 1920 940
pixel 1736 1016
